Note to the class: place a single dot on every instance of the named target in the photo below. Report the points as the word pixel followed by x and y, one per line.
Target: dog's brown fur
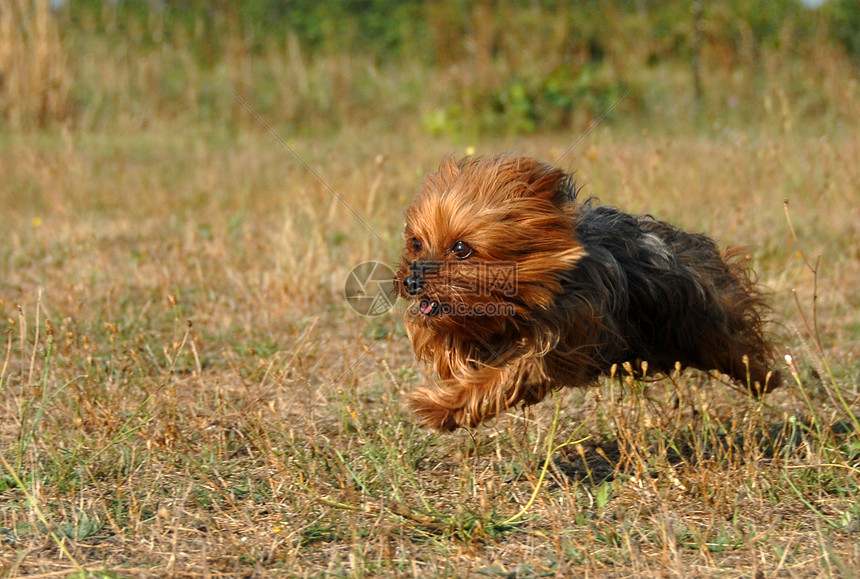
pixel 593 287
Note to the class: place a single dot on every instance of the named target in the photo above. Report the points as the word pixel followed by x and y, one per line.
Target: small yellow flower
pixel 470 150
pixel 37 221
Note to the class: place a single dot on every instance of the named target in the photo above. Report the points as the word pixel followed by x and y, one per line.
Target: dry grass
pixel 34 77
pixel 185 391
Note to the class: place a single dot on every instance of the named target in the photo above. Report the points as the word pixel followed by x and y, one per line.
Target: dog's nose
pixel 413 284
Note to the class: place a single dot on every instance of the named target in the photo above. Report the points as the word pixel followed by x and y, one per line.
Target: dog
pixel 517 288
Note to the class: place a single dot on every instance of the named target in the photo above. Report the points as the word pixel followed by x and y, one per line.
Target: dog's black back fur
pixel 664 296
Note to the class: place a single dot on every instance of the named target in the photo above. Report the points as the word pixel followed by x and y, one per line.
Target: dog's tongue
pixel 428 307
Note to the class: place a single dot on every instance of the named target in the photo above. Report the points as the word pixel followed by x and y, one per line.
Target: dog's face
pixel 484 244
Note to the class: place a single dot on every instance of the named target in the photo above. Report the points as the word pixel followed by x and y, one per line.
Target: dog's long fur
pixel 593 287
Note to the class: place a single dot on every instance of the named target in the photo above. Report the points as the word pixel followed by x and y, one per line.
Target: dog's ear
pixel 542 180
pixel 449 168
pixel 441 180
pixel 517 177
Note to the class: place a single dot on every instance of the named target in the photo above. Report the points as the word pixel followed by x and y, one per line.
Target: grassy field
pixel 184 390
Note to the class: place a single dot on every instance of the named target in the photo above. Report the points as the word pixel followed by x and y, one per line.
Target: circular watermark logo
pixel 370 289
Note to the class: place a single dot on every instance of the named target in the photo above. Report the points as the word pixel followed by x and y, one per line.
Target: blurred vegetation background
pixel 452 67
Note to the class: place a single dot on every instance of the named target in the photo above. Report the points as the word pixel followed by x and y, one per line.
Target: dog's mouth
pixel 429 307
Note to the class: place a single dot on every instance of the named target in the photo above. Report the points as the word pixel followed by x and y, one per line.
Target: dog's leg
pixel 475 396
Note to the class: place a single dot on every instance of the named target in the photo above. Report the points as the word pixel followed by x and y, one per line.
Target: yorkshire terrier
pixel 519 288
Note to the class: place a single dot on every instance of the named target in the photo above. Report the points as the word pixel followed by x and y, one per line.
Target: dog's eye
pixel 416 245
pixel 461 250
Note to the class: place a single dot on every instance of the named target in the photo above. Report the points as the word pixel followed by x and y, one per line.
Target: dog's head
pixel 484 244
